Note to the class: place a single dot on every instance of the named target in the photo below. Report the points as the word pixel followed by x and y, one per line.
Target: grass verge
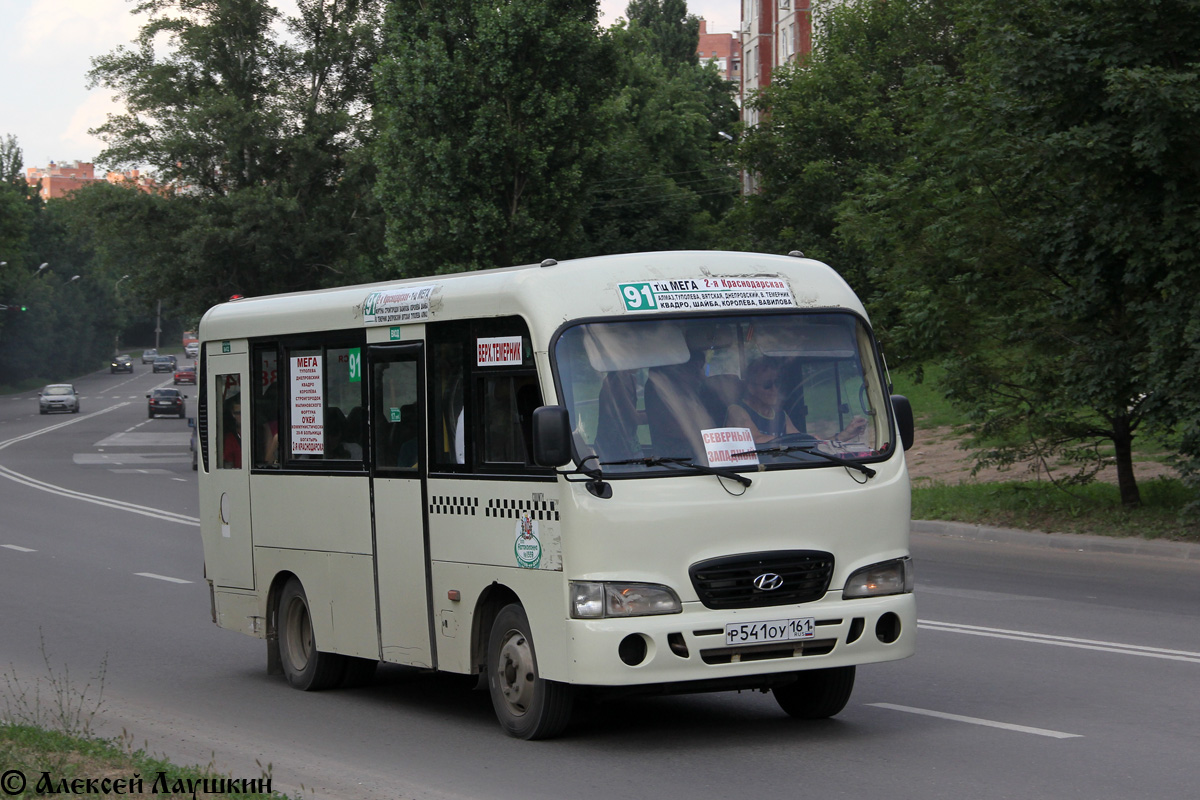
pixel 35 761
pixel 48 747
pixel 1094 508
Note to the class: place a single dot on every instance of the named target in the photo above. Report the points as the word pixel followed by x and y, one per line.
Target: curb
pixel 1079 542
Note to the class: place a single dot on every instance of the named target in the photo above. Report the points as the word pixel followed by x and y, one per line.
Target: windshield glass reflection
pixel 736 392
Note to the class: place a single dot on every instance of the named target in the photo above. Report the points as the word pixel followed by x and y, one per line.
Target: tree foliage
pixel 488 117
pixel 829 119
pixel 262 141
pixel 1041 228
pixel 665 178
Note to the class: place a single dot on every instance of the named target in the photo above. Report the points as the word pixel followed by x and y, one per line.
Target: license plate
pixel 772 630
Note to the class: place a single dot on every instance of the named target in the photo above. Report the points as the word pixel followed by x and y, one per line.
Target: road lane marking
pixel 18 548
pixel 107 502
pixel 987 723
pixel 158 577
pixel 1062 641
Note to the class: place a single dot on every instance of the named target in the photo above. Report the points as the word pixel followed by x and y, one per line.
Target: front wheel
pixel 817 693
pixel 306 667
pixel 527 705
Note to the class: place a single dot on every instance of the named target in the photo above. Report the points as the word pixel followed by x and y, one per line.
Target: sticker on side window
pixel 499 351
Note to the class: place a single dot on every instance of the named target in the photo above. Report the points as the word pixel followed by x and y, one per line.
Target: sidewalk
pixel 1080 542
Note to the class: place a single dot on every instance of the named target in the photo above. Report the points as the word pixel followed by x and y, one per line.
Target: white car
pixel 191 349
pixel 58 397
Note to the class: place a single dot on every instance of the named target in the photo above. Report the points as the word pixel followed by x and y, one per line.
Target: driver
pixel 759 407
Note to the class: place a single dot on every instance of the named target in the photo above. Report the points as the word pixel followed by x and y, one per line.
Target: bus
pixel 640 473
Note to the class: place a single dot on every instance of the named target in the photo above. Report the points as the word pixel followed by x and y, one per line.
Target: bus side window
pixel 265 411
pixel 508 404
pixel 229 421
pixel 397 426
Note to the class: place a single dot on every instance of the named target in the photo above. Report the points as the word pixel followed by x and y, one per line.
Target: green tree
pixel 489 118
pixel 829 119
pixel 673 32
pixel 665 177
pixel 1041 232
pixel 263 146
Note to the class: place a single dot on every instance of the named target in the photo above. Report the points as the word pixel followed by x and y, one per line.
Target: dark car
pixel 164 364
pixel 122 364
pixel 185 375
pixel 58 397
pixel 168 402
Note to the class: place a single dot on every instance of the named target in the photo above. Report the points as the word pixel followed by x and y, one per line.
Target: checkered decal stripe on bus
pixel 512 509
pixel 464 506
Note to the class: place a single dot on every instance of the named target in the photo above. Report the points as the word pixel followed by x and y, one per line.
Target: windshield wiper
pixel 681 462
pixel 787 450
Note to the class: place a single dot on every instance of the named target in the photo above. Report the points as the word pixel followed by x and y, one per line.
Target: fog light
pixel 632 649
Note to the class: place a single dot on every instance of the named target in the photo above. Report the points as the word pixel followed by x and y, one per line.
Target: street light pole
pixel 42 267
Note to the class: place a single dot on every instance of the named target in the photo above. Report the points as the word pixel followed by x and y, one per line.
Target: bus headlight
pixel 889 577
pixel 596 600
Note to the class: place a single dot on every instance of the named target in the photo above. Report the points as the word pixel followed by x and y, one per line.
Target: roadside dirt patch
pixel 937 457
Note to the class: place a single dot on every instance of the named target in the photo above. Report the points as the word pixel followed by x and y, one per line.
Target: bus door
pixel 400 529
pixel 229 556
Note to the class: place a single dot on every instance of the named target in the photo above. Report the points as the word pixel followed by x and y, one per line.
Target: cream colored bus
pixel 659 472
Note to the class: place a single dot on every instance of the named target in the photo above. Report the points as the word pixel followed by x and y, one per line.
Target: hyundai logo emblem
pixel 768 581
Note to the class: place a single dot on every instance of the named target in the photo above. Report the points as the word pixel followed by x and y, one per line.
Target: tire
pixel 816 694
pixel 526 705
pixel 150 415
pixel 306 667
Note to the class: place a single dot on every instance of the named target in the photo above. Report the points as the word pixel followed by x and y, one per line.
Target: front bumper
pixel 690 647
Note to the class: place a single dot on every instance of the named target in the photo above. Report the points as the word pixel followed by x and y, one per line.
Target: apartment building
pixel 773 33
pixel 59 180
pixel 723 48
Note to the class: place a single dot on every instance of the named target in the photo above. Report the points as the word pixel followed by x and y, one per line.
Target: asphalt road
pixel 1042 672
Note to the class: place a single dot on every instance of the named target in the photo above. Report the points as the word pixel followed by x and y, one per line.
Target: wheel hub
pixel 515 672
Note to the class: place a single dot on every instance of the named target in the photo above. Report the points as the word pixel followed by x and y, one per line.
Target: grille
pixel 728 582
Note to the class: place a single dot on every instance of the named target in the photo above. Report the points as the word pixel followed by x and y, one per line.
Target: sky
pixel 46 47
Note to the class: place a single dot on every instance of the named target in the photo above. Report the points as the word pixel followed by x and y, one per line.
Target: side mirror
pixel 147 395
pixel 551 436
pixel 904 419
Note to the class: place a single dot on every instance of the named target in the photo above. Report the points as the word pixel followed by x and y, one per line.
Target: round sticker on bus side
pixel 528 547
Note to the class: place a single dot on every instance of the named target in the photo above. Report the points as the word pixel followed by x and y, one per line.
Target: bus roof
pixel 546 295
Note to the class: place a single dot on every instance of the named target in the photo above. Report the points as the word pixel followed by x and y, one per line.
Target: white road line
pixel 107 502
pixel 1062 641
pixel 976 721
pixel 156 577
pixel 18 548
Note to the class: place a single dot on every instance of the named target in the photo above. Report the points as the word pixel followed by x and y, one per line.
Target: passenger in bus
pixel 231 445
pixel 335 445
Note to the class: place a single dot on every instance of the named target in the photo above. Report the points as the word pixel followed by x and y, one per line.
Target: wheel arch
pixel 493 598
pixel 274 665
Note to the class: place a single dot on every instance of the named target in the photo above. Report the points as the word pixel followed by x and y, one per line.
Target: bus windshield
pixel 743 391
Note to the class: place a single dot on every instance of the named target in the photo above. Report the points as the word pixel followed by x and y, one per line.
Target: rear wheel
pixel 305 666
pixel 817 693
pixel 527 705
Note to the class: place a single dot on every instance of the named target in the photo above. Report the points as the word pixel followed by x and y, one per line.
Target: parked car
pixel 191 349
pixel 148 356
pixel 185 375
pixel 122 364
pixel 164 364
pixel 58 397
pixel 166 401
